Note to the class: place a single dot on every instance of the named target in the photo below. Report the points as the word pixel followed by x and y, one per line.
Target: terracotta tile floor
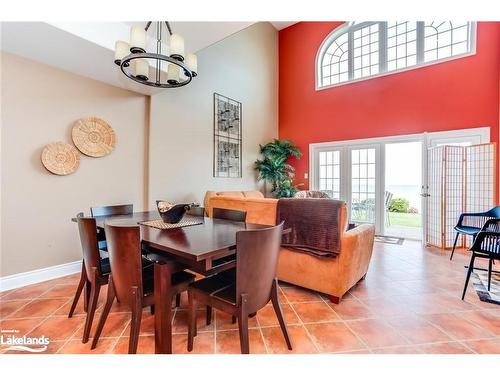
pixel 408 303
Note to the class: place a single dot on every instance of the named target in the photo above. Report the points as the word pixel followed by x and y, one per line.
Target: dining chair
pixel 254 286
pixel 95 272
pixel 387 202
pixel 196 211
pixel 130 283
pixel 227 214
pixel 233 215
pixel 486 245
pixel 122 209
pixel 469 224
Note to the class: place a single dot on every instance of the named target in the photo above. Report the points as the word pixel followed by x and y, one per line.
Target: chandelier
pixel 167 67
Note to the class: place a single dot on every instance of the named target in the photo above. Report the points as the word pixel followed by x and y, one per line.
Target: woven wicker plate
pixel 60 158
pixel 93 137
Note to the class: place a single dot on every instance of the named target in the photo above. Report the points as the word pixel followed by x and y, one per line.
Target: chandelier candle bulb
pixel 158 61
pixel 122 49
pixel 142 69
pixel 192 63
pixel 173 74
pixel 137 39
pixel 165 49
pixel 177 47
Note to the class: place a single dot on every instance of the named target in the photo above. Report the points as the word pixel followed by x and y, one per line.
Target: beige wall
pixel 39 105
pixel 243 67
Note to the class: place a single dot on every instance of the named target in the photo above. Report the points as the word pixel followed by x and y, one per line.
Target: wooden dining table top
pixel 205 248
pixel 210 239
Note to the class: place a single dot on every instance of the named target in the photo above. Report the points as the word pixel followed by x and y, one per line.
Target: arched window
pixel 357 51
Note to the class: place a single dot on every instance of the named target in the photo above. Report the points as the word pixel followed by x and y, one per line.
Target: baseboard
pixel 36 276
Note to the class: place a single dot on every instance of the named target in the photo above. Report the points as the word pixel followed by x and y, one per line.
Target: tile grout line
pixel 111 350
pixel 44 319
pixel 262 336
pixel 422 316
pixel 350 329
pixel 445 291
pixel 74 333
pixel 49 316
pixel 301 322
pixel 473 322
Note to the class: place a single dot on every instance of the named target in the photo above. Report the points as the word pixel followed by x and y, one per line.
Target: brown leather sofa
pixel 332 276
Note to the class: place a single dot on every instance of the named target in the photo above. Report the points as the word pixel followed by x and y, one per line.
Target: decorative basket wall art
pixel 227 137
pixel 93 137
pixel 60 158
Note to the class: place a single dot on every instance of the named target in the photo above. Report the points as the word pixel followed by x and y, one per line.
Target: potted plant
pixel 275 169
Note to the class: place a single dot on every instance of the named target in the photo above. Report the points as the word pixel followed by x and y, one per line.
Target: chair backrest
pixel 227 214
pixel 488 239
pixel 196 211
pixel 479 219
pixel 123 209
pixel 88 238
pixel 387 198
pixel 494 212
pixel 256 263
pixel 124 248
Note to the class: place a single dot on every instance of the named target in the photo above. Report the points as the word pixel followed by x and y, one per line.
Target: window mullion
pixel 350 55
pixel 420 42
pixel 382 40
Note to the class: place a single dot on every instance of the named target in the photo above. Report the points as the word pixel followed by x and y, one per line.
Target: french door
pixel 351 174
pixel 363 195
pixel 354 171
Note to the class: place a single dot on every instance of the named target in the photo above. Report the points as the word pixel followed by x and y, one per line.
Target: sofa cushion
pixel 253 194
pixel 230 194
pixel 310 194
pixel 259 210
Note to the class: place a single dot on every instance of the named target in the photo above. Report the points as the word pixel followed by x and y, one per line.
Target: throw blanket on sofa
pixel 314 223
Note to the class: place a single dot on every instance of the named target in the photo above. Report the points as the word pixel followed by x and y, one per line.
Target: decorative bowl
pixel 172 213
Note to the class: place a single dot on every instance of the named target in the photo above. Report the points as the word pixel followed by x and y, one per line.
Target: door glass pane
pixel 363 185
pixel 329 173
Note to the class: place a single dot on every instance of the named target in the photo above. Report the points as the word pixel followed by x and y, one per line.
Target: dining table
pixel 205 248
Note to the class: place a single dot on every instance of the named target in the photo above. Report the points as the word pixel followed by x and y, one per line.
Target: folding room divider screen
pixel 460 179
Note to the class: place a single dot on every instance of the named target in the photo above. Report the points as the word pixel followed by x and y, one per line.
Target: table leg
pixel 163 308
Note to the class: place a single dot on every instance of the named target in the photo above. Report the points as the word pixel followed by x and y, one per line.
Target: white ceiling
pixel 87 48
pixel 280 25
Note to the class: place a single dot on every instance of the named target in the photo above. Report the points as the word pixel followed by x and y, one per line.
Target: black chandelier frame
pixel 140 53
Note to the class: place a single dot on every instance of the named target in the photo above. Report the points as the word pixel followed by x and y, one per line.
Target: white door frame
pixel 379 176
pixel 428 139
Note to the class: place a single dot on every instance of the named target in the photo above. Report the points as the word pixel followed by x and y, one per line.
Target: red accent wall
pixel 459 94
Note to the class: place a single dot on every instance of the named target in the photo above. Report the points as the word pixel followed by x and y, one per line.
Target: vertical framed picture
pixel 227 137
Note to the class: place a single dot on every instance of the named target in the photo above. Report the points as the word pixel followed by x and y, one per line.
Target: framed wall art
pixel 227 137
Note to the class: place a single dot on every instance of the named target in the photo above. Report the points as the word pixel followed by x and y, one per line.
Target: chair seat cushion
pixel 177 278
pixel 147 267
pixel 228 275
pixel 105 267
pixel 228 294
pixel 209 285
pixel 102 245
pixel 156 258
pixel 220 286
pixel 467 230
